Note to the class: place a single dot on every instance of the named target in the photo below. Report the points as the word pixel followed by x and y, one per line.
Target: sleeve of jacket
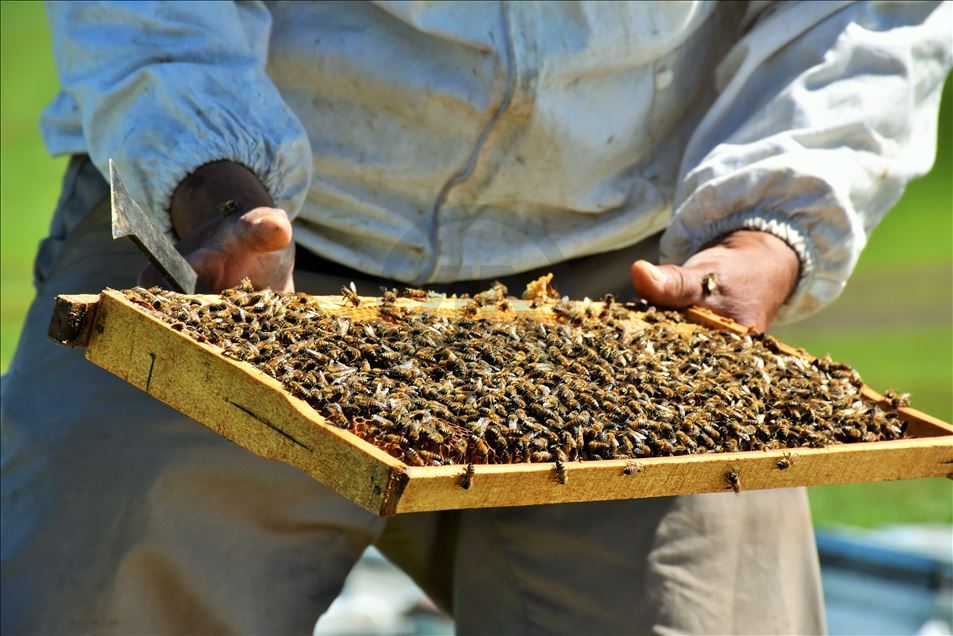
pixel 825 111
pixel 165 87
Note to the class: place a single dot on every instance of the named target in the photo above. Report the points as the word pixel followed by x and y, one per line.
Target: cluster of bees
pixel 571 381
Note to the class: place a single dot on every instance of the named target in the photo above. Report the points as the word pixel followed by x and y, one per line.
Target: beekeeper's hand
pixel 251 238
pixel 745 275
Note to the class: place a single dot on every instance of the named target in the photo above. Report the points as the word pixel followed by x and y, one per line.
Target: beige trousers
pixel 121 516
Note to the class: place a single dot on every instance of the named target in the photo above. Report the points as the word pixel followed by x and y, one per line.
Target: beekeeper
pixel 441 144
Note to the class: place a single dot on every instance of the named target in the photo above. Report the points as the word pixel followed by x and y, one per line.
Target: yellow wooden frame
pixel 253 410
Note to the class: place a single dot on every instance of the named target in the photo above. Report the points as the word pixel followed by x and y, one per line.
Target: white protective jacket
pixel 433 142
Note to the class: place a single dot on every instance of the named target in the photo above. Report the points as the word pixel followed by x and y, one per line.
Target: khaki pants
pixel 122 516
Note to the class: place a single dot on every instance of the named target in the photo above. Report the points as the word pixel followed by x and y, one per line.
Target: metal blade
pixel 128 219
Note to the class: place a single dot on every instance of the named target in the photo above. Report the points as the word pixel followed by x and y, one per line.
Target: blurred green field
pixel 894 322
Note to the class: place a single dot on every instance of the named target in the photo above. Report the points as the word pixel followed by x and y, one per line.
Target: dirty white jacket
pixel 433 142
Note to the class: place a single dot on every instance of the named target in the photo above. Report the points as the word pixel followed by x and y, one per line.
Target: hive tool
pixel 129 219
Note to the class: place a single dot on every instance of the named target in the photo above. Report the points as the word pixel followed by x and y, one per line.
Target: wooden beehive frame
pixel 253 410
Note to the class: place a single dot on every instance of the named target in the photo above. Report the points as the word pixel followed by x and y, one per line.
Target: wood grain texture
pixel 253 410
pixel 438 488
pixel 72 319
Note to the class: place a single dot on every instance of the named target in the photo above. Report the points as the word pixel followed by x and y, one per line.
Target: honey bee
pixel 711 431
pixel 599 448
pixel 389 310
pixel 415 294
pixel 632 468
pixel 561 477
pixel 429 456
pixel 895 399
pixel 709 284
pixel 350 294
pixel 412 456
pixel 480 447
pixel 433 435
pixel 496 437
pixel 539 443
pixel 686 441
pixel 467 479
pixel 787 460
pixel 733 481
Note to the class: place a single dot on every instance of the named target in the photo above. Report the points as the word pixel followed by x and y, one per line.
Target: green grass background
pixel 894 323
